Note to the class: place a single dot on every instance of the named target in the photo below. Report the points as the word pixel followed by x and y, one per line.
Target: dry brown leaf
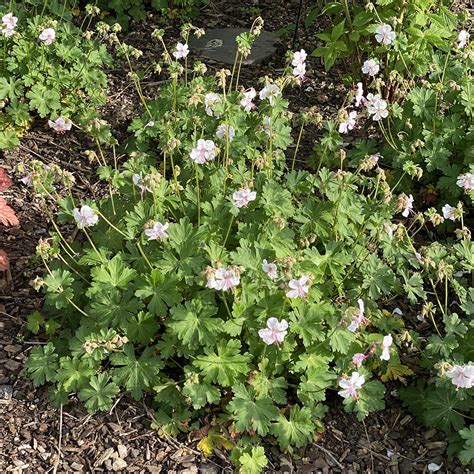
pixel 4 261
pixel 5 181
pixel 7 214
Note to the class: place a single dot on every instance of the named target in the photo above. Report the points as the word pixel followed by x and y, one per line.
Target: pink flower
pixel 223 279
pixel 225 131
pixel 181 51
pixel 8 24
pixel 349 123
pixel 205 150
pixel 463 39
pixel 370 67
pixel 466 181
pixel 60 125
pixel 386 343
pixel 47 36
pixel 449 212
pixel 85 217
pixel 270 92
pixel 270 269
pixel 299 71
pixel 358 358
pixel 247 100
pixel 359 94
pixel 462 376
pixel 358 319
pixel 299 288
pixel 371 99
pixel 158 231
pixel 378 109
pixel 351 386
pixel 384 34
pixel 299 58
pixel 408 205
pixel 210 100
pixel 243 197
pixel 275 331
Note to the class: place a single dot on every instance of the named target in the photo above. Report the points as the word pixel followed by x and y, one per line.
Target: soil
pixel 37 437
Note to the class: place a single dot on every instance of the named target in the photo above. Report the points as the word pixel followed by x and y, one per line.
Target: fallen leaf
pixel 4 261
pixel 7 214
pixel 5 181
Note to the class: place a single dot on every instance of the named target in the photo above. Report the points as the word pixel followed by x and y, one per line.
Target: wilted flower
pixel 47 36
pixel 158 231
pixel 449 212
pixel 247 100
pixel 358 358
pixel 275 331
pixel 270 92
pixel 60 125
pixel 349 123
pixel 466 181
pixel 359 94
pixel 463 39
pixel 243 197
pixel 204 151
pixel 181 51
pixel 223 279
pixel 85 217
pixel 386 343
pixel 359 318
pixel 299 287
pixel 225 131
pixel 462 376
pixel 210 100
pixel 384 34
pixel 378 109
pixel 351 386
pixel 270 269
pixel 370 67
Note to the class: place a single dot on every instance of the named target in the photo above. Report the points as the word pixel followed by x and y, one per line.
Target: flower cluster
pixel 205 151
pixel 47 36
pixel 299 64
pixel 222 279
pixel 243 197
pixel 462 376
pixel 8 24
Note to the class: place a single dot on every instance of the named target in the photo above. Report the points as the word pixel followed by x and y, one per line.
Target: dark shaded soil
pixel 36 437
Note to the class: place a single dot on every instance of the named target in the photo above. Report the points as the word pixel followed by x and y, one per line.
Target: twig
pixel 60 440
pixel 368 445
pixel 330 454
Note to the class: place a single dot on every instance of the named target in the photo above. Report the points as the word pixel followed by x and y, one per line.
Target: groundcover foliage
pixel 234 291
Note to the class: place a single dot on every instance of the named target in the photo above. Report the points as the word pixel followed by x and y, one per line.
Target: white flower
pixel 270 269
pixel 351 386
pixel 204 151
pixel 449 212
pixel 275 331
pixel 8 24
pixel 462 376
pixel 247 100
pixel 223 279
pixel 397 311
pixel 378 109
pixel 158 231
pixel 349 123
pixel 433 467
pixel 299 58
pixel 463 39
pixel 299 288
pixel 466 181
pixel 181 51
pixel 384 34
pixel 370 67
pixel 60 125
pixel 386 343
pixel 358 319
pixel 137 180
pixel 408 206
pixel 359 94
pixel 299 71
pixel 243 197
pixel 371 99
pixel 210 100
pixel 47 36
pixel 223 131
pixel 85 217
pixel 150 124
pixel 270 92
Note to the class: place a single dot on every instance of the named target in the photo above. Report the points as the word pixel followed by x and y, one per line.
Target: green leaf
pixel 99 394
pixel 58 288
pixel 253 462
pixel 142 328
pixel 296 431
pixel 34 322
pixel 424 102
pixel 371 398
pixel 466 455
pixel 73 374
pixel 273 387
pixel 200 393
pixel 135 374
pixel 42 365
pixel 114 273
pixel 225 366
pixel 43 99
pixel 251 413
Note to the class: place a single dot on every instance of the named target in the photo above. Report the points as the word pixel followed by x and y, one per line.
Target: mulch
pixel 37 437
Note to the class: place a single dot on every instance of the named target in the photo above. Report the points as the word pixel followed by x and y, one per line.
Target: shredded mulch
pixel 37 437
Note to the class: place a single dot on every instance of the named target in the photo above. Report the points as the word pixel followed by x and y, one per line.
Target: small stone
pixel 6 392
pixel 13 349
pixel 12 365
pixel 76 466
pixel 104 456
pixel 119 464
pixel 122 451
